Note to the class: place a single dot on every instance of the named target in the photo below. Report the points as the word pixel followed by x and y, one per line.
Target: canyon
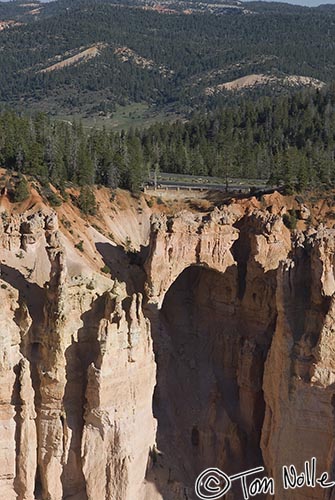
pixel 147 343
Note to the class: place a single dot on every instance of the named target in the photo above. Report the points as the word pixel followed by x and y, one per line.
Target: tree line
pixel 287 139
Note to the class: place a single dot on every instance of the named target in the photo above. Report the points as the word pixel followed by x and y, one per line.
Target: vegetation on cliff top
pixel 288 140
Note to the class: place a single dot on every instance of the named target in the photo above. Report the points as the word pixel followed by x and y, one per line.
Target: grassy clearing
pixel 136 115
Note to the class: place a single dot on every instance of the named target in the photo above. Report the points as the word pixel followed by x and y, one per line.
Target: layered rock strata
pixel 223 355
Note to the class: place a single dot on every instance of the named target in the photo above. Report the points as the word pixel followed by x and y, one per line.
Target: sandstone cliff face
pixel 214 347
pixel 77 373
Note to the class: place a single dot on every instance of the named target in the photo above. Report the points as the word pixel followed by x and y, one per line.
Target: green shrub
pixel 54 199
pixel 290 219
pixel 112 196
pixel 105 269
pixel 66 223
pixel 4 217
pixel 97 228
pixel 80 246
pixel 63 192
pixel 299 199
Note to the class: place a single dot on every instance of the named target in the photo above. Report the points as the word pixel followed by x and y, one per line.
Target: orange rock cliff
pixel 141 346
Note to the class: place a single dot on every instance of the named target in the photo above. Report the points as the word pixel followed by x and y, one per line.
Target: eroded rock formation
pixel 214 347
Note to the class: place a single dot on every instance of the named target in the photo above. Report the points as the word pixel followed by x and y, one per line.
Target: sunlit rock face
pixel 214 347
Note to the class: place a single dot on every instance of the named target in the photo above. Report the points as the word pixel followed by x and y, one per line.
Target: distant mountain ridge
pixel 162 54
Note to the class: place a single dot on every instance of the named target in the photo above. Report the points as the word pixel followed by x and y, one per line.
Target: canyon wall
pixel 210 343
pixel 77 371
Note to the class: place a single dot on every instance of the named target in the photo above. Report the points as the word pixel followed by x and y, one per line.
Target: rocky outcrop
pixel 185 240
pixel 245 376
pixel 222 356
pixel 78 374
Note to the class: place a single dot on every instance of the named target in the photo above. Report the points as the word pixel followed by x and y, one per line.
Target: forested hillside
pixel 289 140
pixel 86 56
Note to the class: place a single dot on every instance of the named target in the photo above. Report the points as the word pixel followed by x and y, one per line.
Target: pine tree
pixel 86 201
pixel 21 192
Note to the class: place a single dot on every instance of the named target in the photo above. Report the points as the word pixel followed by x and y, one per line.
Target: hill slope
pixel 190 48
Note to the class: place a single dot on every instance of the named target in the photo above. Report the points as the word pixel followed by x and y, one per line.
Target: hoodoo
pixel 209 344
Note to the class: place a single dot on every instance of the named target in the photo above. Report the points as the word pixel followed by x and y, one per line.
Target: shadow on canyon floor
pixel 79 355
pixel 126 266
pixel 29 293
pixel 210 357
